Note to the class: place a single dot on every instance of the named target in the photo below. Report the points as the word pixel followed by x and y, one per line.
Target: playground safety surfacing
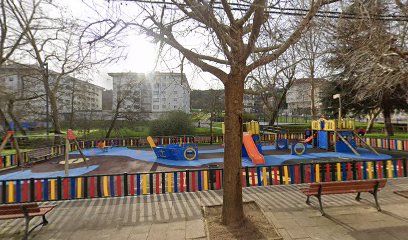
pixel 121 159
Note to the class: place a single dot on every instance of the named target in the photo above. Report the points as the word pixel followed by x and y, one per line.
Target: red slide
pixel 308 139
pixel 251 149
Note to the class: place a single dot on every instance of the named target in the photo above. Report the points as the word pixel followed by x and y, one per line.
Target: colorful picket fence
pixel 390 144
pixel 117 185
pixel 11 160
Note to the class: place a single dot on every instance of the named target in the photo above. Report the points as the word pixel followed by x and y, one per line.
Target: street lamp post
pixel 335 96
pixel 46 100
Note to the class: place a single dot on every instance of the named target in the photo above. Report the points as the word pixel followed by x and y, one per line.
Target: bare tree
pixel 12 32
pixel 59 44
pixel 272 81
pixel 127 98
pixel 230 36
pixel 311 48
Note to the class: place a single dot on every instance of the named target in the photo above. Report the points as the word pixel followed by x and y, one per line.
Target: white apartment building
pixel 25 81
pixel 155 93
pixel 298 97
pixel 132 91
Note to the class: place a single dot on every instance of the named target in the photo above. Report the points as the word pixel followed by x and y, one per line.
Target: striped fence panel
pixel 136 184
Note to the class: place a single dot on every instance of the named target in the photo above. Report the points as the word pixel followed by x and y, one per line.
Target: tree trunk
pixel 4 119
pixel 232 209
pixel 389 131
pixel 312 94
pixel 54 112
pixel 371 119
pixel 272 116
pixel 71 116
pixel 10 111
pixel 211 126
pixel 115 117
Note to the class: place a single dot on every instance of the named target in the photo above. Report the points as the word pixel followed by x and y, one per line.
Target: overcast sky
pixel 141 55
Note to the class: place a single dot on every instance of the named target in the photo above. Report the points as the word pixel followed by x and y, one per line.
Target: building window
pixel 175 92
pixel 155 99
pixel 175 99
pixel 156 92
pixel 11 79
pixel 163 99
pixel 155 107
pixel 163 106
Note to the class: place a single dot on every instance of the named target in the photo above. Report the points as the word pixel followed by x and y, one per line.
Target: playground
pixel 319 147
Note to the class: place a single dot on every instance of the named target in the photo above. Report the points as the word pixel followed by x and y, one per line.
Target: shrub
pixel 172 123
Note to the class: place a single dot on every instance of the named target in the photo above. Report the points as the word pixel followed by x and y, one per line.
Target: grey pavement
pixel 178 216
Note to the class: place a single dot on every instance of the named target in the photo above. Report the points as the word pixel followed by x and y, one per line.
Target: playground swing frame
pixel 10 134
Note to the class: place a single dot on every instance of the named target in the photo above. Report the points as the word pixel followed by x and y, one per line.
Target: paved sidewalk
pixel 178 216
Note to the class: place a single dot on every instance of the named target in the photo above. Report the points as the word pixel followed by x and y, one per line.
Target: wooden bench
pixel 39 154
pixel 328 188
pixel 27 211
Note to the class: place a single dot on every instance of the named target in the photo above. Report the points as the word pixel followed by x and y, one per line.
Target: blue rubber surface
pixel 28 174
pixel 149 156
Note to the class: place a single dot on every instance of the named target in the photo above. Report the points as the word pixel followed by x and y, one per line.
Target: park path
pixel 178 216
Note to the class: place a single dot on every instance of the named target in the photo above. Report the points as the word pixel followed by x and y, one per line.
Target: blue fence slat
pixel 175 182
pixel 312 173
pixel 395 168
pixel 292 174
pixel 45 189
pixel 258 173
pixel 112 185
pixel 72 181
pixel 200 188
pixel 18 191
pixel 344 171
pixel 138 184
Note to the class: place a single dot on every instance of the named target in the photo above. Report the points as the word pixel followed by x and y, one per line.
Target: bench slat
pixel 343 187
pixel 42 211
pixel 370 183
pixel 18 206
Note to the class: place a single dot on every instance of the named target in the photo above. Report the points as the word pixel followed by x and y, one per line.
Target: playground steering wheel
pixel 190 151
pixel 301 147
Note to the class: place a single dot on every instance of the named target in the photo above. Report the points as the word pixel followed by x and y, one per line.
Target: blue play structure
pixel 281 144
pixel 177 152
pixel 339 134
pixel 299 148
pixel 341 145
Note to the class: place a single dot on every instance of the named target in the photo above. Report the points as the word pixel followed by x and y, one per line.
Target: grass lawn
pixel 116 133
pixel 204 131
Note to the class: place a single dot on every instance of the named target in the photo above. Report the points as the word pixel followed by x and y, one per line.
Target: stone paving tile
pixel 195 229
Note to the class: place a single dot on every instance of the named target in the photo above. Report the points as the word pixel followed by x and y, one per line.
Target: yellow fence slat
pixel 370 170
pixel 338 165
pixel 317 173
pixel 265 178
pixel 105 186
pixel 52 190
pixel 144 183
pixel 285 172
pixel 11 192
pixel 205 176
pixel 79 187
pixel 169 182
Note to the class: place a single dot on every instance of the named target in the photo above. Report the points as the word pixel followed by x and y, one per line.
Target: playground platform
pixel 178 216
